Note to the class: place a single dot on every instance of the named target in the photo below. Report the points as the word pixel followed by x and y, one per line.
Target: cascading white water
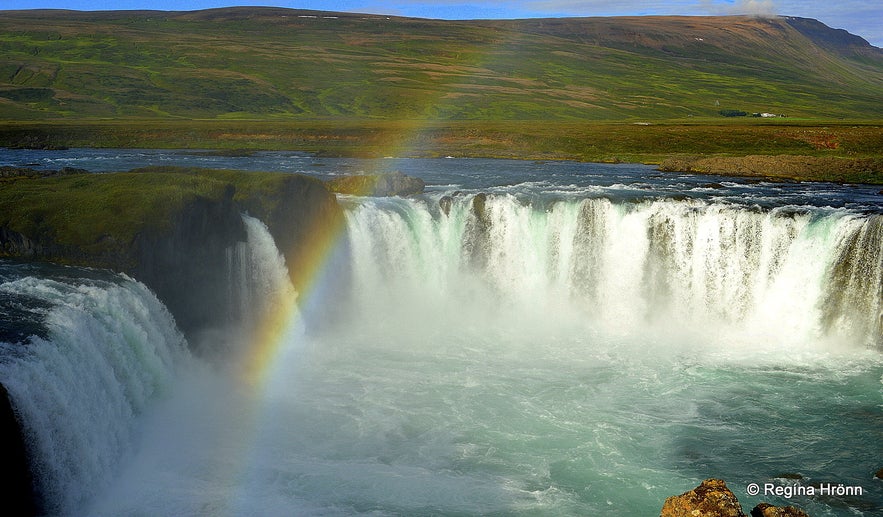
pixel 503 355
pixel 256 277
pixel 257 274
pixel 111 347
pixel 781 275
pixel 501 358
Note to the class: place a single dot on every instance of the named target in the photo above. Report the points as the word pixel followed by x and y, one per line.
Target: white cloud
pixel 754 7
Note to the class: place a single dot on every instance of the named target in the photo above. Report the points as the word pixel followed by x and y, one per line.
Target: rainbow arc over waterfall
pixel 311 258
pixel 307 266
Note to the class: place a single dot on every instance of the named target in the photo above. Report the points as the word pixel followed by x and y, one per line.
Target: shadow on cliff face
pixel 187 264
pixel 181 249
pixel 16 486
pixel 186 267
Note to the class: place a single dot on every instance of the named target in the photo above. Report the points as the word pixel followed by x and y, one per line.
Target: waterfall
pixel 257 274
pixel 780 275
pixel 530 274
pixel 110 347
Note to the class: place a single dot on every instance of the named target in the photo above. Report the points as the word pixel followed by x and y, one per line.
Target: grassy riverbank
pixel 601 142
pixel 836 143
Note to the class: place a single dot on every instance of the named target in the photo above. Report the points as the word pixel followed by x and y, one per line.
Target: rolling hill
pixel 281 64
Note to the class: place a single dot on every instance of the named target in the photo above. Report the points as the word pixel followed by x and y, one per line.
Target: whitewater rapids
pixel 501 353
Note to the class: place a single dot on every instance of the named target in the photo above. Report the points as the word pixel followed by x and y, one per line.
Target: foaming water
pixel 110 347
pixel 501 421
pixel 548 347
pixel 778 275
pixel 507 361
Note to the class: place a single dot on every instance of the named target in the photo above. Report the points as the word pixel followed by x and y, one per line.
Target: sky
pixel 861 17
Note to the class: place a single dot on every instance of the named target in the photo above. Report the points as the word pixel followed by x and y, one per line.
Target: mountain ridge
pixel 272 63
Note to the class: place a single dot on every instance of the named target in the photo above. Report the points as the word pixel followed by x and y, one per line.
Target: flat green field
pixel 534 140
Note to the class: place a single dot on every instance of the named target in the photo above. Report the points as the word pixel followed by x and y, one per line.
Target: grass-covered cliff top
pixel 102 213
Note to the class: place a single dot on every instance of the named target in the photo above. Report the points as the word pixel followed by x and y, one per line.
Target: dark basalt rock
pixel 478 207
pixel 445 204
pixel 15 477
pixel 377 185
pixel 186 264
pixel 477 229
pixel 768 510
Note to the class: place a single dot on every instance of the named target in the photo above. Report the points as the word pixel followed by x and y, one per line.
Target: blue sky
pixel 862 17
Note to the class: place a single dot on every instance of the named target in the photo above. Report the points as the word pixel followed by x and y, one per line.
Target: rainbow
pixel 262 366
pixel 311 257
pixel 307 265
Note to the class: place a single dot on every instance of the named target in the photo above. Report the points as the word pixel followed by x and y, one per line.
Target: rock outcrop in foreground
pixel 712 498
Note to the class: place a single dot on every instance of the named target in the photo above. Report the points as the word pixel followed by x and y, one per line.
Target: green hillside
pixel 279 64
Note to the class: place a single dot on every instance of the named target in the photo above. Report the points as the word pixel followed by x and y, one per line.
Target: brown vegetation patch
pixel 801 168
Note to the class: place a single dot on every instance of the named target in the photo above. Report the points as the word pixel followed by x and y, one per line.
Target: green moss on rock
pixel 168 227
pixel 99 213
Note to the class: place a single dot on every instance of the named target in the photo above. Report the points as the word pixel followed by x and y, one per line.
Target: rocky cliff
pixel 391 184
pixel 169 228
pixel 185 264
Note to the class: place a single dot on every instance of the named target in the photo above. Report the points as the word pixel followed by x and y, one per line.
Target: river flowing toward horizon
pixel 525 338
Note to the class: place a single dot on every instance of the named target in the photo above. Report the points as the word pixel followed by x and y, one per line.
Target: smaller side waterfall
pixel 257 275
